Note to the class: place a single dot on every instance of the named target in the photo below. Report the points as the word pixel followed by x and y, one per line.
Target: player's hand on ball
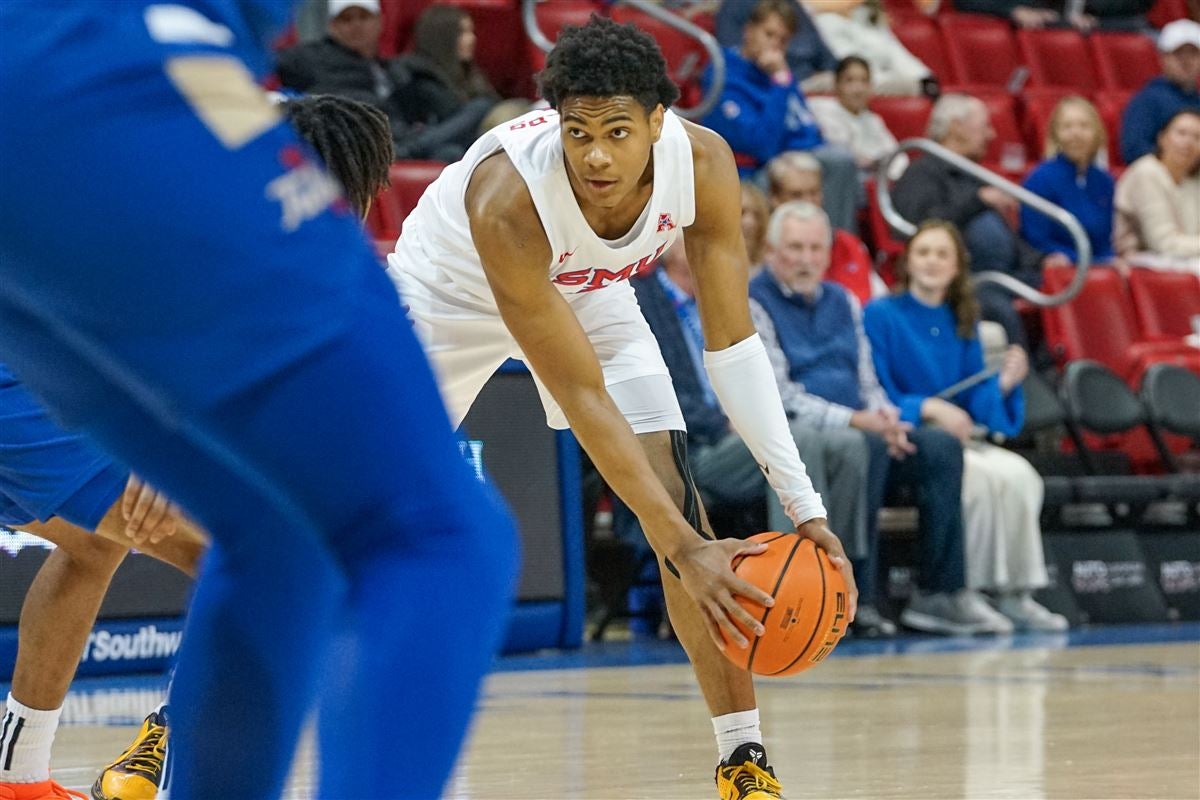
pixel 149 515
pixel 818 531
pixel 706 571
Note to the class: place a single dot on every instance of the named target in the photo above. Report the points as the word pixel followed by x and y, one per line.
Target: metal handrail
pixel 651 9
pixel 1083 247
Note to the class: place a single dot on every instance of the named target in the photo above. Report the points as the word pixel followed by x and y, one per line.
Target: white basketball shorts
pixel 466 341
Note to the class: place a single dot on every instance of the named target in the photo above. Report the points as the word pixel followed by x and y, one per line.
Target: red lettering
pixel 602 277
pixel 574 278
pixel 537 121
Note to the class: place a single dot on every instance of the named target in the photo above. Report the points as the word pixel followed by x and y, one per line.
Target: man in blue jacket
pixel 1166 95
pixel 762 111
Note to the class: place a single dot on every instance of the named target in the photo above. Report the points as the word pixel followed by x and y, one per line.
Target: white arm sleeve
pixel 742 379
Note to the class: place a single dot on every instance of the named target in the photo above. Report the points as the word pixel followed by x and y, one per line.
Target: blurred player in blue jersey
pixel 59 485
pixel 181 281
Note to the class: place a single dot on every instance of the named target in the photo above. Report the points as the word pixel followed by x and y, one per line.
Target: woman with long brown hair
pixel 446 87
pixel 924 341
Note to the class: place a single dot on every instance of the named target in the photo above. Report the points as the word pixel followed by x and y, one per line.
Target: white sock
pixel 26 735
pixel 736 729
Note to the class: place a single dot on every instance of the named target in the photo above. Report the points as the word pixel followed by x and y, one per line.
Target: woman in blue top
pixel 925 340
pixel 1071 178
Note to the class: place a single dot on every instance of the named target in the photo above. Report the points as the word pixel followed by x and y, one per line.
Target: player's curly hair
pixel 605 59
pixel 352 138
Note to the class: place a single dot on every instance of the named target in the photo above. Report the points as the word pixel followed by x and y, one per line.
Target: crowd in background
pixel 862 366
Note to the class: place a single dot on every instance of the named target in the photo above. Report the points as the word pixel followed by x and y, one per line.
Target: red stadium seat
pixel 1057 57
pixel 1099 324
pixel 384 217
pixel 920 35
pixel 1123 61
pixel 884 244
pixel 1039 107
pixel 409 180
pixel 1165 11
pixel 905 117
pixel 553 17
pixel 1008 153
pixel 1111 106
pixel 980 49
pixel 685 55
pixel 1165 302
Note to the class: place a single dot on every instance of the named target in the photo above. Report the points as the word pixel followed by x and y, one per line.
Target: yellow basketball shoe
pixel 136 773
pixel 747 776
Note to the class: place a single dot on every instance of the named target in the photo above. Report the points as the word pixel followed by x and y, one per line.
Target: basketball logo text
pixel 835 630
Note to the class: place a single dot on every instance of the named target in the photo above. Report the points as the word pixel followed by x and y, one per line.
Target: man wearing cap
pixel 347 63
pixel 1164 96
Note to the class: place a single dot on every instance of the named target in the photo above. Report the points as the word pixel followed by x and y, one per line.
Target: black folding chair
pixel 1098 401
pixel 1171 395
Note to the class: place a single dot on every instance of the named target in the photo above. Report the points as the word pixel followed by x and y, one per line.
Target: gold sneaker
pixel 747 776
pixel 136 773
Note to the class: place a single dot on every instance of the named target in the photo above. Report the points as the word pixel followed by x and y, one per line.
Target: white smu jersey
pixel 435 255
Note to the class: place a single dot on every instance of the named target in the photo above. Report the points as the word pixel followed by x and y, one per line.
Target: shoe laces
pixel 65 793
pixel 147 755
pixel 749 777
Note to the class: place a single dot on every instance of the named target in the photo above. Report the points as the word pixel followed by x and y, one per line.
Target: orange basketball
pixel 809 615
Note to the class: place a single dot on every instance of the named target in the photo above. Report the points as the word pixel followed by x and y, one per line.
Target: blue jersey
pixel 180 281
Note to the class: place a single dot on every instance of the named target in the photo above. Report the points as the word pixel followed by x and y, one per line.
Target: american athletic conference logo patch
pixel 665 223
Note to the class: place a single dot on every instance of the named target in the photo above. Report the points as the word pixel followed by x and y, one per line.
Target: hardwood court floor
pixel 1027 718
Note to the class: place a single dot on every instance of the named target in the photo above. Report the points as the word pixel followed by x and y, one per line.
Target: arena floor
pixel 1105 713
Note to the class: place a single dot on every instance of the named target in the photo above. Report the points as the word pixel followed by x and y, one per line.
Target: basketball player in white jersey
pixel 525 248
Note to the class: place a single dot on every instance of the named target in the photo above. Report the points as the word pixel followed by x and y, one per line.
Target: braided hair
pixel 352 138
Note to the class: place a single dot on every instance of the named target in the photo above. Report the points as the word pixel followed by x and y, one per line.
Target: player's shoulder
pixel 713 166
pixel 498 197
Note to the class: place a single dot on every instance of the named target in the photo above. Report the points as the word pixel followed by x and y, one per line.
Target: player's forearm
pixel 744 383
pixel 603 432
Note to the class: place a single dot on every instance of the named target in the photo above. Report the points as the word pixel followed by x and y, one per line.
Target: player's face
pixel 932 262
pixel 607 141
pixel 801 257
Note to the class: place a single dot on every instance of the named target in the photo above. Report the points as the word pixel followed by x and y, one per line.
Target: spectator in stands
pixel 858 28
pixel 1083 15
pixel 1071 178
pixel 347 63
pixel 933 189
pixel 924 341
pixel 1158 199
pixel 796 177
pixel 809 59
pixel 1164 96
pixel 762 111
pixel 723 468
pixel 847 120
pixel 755 211
pixel 845 426
pixel 445 82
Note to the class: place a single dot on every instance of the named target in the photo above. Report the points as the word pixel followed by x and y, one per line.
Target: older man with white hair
pixel 934 189
pixel 851 436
